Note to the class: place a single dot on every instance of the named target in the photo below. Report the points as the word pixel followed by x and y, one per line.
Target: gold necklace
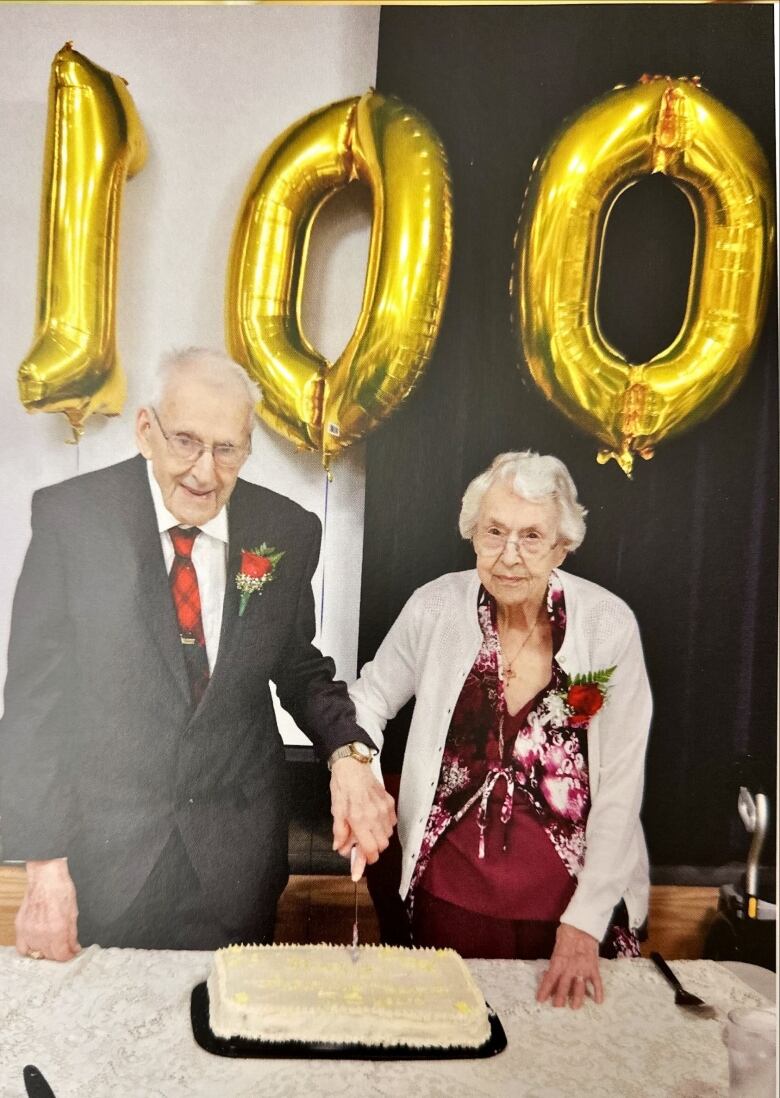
pixel 509 674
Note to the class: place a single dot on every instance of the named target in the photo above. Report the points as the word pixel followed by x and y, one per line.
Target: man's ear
pixel 143 425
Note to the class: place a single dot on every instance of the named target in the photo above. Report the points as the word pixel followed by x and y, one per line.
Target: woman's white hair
pixel 535 477
pixel 215 366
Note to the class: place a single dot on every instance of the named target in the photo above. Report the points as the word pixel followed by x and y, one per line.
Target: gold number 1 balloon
pixel 392 150
pixel 656 125
pixel 94 141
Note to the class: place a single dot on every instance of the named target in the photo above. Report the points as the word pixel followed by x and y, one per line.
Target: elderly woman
pixel 522 777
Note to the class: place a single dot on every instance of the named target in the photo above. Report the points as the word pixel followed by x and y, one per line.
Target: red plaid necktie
pixel 186 598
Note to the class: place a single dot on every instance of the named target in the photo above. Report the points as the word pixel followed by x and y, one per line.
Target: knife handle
pixel 661 964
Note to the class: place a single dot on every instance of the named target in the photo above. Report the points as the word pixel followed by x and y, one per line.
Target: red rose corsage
pixel 585 695
pixel 258 567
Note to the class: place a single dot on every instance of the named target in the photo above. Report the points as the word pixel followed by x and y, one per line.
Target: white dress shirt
pixel 209 558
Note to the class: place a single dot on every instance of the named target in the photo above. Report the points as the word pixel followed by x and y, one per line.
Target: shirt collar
pixel 215 528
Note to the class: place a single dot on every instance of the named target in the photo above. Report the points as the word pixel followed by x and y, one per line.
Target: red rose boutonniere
pixel 585 695
pixel 258 567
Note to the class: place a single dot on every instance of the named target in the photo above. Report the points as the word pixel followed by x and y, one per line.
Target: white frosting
pixel 375 995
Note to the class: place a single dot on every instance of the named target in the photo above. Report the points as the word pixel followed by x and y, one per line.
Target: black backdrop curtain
pixel 691 542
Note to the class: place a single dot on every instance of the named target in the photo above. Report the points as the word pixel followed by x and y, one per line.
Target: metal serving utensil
pixel 682 997
pixel 754 812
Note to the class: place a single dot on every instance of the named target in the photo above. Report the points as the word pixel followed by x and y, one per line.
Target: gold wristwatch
pixel 360 752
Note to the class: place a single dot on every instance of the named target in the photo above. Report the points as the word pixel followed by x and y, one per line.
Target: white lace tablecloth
pixel 116 1023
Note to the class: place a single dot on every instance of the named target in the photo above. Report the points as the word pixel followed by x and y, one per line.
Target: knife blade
pixel 352 858
pixel 35 1084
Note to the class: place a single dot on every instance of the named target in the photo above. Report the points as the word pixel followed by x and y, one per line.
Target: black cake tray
pixel 319 1050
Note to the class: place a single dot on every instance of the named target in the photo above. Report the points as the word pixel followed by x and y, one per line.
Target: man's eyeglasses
pixel 491 542
pixel 187 449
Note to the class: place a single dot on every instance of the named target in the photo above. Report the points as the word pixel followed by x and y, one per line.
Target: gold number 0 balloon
pixel 94 141
pixel 393 150
pixel 656 125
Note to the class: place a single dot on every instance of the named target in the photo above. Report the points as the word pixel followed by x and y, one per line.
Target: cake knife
pixel 353 858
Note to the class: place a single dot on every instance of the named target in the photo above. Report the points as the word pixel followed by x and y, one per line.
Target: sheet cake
pixel 381 996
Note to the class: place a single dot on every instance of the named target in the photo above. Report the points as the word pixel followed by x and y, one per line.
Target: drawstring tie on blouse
pixel 506 807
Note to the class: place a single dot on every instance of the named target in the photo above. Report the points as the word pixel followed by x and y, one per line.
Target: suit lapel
pixel 154 593
pixel 238 535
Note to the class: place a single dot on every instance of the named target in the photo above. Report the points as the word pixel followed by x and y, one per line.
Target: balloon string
pixel 324 552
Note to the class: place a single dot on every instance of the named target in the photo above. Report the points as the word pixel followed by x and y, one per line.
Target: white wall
pixel 213 86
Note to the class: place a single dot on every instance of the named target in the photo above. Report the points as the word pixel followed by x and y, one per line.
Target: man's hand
pixel 363 813
pixel 574 965
pixel 46 920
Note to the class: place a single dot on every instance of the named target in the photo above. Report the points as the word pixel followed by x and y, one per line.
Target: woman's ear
pixel 561 553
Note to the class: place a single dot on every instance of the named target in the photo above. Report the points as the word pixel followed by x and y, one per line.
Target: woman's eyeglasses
pixel 491 542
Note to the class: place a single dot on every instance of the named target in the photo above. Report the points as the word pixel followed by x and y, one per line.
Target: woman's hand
pixel 574 965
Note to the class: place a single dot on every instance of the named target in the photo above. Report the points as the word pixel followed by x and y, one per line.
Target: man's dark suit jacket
pixel 101 752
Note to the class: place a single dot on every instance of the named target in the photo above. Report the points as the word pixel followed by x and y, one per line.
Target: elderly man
pixel 141 769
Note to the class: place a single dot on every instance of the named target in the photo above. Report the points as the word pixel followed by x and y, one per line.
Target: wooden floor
pixel 11 892
pixel 321 909
pixel 316 909
pixel 679 919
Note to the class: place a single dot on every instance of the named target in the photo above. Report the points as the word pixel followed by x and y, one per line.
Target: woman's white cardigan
pixel 428 653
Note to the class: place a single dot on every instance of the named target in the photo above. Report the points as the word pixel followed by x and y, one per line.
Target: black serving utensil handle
pixel 35 1084
pixel 661 964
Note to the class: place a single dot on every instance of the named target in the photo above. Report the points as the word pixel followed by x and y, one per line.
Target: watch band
pixel 360 752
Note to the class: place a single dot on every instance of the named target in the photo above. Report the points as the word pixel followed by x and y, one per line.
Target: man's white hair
pixel 535 477
pixel 215 366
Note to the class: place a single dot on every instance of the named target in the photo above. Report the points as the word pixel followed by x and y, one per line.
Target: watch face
pixel 361 749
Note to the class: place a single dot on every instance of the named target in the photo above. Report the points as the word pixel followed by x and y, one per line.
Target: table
pixel 115 1024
